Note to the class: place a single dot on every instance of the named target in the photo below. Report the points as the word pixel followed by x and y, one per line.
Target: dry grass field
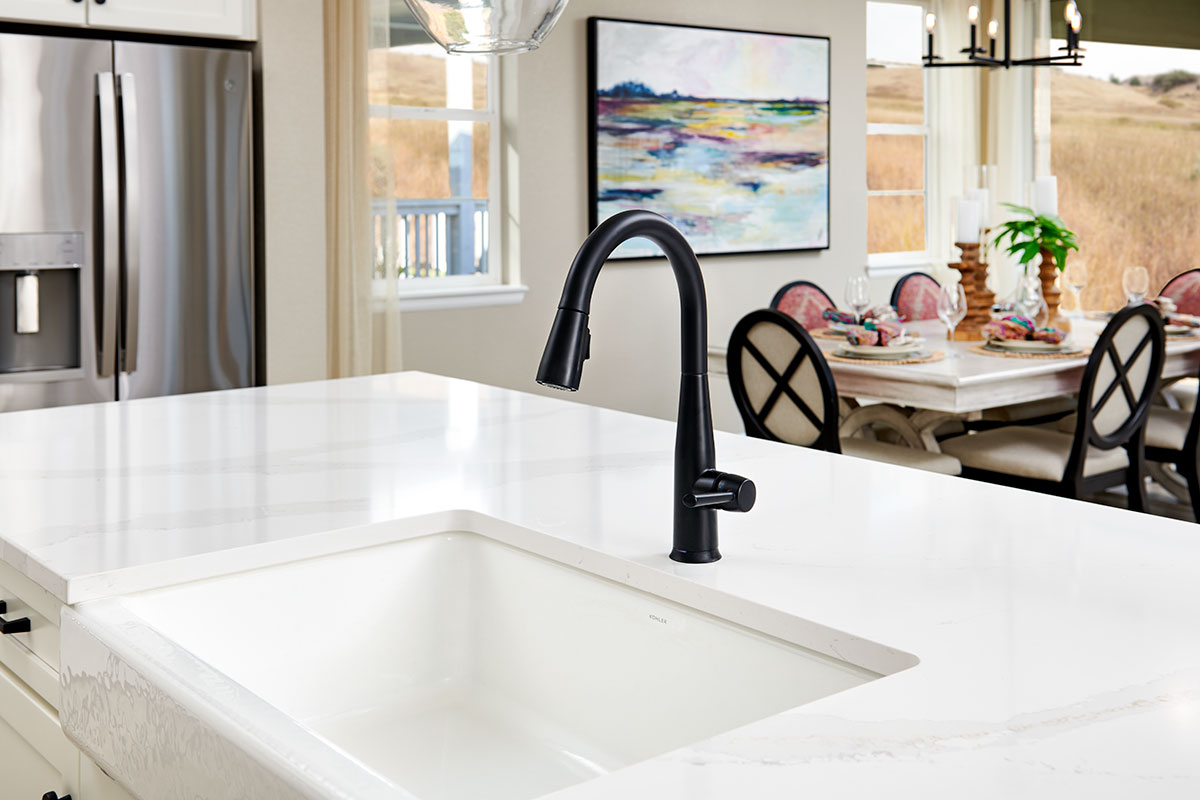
pixel 895 223
pixel 1128 166
pixel 413 154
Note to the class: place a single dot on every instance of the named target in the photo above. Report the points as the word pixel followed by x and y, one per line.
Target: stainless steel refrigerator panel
pixel 49 121
pixel 187 277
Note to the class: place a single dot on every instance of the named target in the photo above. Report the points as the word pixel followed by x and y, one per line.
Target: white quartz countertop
pixel 1059 642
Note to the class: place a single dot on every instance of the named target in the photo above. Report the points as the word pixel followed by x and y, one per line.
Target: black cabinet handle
pixel 13 625
pixel 54 796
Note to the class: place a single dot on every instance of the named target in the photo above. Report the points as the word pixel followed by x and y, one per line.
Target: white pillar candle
pixel 1045 195
pixel 966 227
pixel 985 209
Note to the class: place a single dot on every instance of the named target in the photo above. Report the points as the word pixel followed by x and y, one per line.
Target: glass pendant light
pixel 487 26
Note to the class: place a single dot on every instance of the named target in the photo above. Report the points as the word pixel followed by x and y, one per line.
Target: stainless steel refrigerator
pixel 126 221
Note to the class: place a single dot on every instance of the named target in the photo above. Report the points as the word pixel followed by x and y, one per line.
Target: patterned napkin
pixel 878 313
pixel 1014 327
pixel 1183 319
pixel 874 332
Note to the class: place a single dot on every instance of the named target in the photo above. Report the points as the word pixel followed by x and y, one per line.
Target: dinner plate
pixel 877 353
pixel 1178 330
pixel 1028 346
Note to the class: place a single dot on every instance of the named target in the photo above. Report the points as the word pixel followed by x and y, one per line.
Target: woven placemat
pixel 827 333
pixel 936 355
pixel 983 351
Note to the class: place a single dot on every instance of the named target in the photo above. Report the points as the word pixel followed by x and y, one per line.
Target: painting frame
pixel 593 119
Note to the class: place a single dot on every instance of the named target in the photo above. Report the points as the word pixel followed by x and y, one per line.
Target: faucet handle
pixel 721 490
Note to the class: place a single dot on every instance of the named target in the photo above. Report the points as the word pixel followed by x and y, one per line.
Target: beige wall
pixel 634 321
pixel 290 62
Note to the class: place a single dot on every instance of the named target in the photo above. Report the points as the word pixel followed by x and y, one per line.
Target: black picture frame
pixel 593 133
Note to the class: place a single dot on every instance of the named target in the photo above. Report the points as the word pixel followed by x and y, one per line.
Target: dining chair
pixel 915 296
pixel 804 302
pixel 1106 447
pixel 1173 438
pixel 1184 290
pixel 784 391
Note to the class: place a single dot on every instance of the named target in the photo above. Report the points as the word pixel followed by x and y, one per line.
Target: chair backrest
pixel 781 383
pixel 804 302
pixel 916 296
pixel 1119 383
pixel 1184 289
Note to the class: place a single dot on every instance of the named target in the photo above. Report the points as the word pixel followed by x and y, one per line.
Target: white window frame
pixel 458 291
pixel 886 264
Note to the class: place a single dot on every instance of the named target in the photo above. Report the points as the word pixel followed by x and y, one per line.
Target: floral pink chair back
pixel 1184 289
pixel 916 297
pixel 804 302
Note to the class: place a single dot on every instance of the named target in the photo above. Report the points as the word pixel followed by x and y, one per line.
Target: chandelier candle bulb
pixel 967 222
pixel 1045 196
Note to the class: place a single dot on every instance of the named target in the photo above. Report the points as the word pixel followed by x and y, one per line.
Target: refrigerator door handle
pixel 109 249
pixel 131 215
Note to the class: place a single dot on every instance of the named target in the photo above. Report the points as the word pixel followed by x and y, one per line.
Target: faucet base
pixel 695 556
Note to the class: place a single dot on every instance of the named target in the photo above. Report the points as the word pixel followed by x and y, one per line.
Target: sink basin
pixel 453 665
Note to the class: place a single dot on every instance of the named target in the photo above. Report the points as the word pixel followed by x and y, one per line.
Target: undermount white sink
pixel 455 666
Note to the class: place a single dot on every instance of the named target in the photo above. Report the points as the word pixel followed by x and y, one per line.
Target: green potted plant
pixel 1031 234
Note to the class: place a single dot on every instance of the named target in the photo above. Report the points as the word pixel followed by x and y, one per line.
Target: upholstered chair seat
pixel 785 392
pixel 1030 453
pixel 900 456
pixel 1167 428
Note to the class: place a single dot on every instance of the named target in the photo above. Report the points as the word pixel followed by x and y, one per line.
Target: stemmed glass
pixel 952 309
pixel 858 294
pixel 1136 282
pixel 1076 275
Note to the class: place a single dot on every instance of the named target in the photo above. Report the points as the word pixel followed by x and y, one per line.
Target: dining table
pixel 967 382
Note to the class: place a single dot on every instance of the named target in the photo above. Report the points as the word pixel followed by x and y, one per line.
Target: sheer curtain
pixel 364 325
pixel 954 127
pixel 1011 107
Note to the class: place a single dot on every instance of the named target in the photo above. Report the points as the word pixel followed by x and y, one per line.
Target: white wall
pixel 291 62
pixel 634 321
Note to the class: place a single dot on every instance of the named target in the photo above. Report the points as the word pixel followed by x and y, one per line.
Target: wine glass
pixel 1136 282
pixel 858 294
pixel 952 309
pixel 1076 275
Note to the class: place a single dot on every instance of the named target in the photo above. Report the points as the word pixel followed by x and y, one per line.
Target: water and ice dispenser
pixel 40 286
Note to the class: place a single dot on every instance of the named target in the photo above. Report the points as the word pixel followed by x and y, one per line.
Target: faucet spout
pixel 696 496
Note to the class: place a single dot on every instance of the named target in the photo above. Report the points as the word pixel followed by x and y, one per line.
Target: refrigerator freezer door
pixel 48 178
pixel 189 216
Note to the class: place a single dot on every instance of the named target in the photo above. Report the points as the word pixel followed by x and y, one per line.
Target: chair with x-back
pixel 784 391
pixel 1105 445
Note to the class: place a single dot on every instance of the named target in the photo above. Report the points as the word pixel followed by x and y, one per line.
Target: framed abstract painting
pixel 724 132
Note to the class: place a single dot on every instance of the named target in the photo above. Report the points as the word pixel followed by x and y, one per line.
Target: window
pixel 1125 146
pixel 434 163
pixel 897 133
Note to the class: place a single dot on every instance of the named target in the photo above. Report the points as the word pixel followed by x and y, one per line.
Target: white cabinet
pixel 57 12
pixel 229 18
pixel 38 756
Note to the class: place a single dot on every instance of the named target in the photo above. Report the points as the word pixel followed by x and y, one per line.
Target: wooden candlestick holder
pixel 1048 273
pixel 979 299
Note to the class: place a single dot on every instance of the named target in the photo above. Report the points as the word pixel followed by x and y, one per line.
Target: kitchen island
pixel 1032 646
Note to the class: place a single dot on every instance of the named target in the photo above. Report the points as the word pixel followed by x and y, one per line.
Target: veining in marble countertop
pixel 1059 645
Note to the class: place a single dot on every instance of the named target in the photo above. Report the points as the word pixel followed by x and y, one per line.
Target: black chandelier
pixel 1070 56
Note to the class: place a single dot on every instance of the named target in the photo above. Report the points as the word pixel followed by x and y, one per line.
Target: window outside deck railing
pixel 430 238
